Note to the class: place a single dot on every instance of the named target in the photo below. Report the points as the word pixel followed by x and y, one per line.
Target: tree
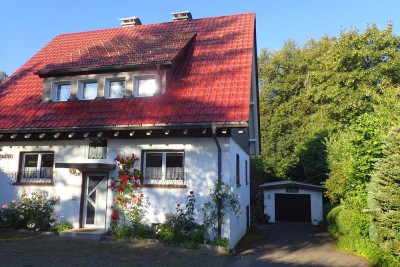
pixel 3 76
pixel 384 196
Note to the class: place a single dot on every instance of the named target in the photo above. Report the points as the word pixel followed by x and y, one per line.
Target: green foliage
pixel 384 197
pixel 138 231
pixel 3 76
pixel 30 212
pixel 317 91
pixel 221 242
pixel 59 227
pixel 222 200
pixel 181 227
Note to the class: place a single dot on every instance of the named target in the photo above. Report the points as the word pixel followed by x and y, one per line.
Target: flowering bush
pixel 32 212
pixel 129 202
pixel 181 227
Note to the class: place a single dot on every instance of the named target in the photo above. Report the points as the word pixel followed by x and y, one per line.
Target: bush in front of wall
pixel 30 212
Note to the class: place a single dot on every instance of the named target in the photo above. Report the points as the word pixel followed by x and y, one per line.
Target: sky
pixel 26 26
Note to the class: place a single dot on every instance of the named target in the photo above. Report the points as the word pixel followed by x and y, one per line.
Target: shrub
pixel 59 227
pixel 31 212
pixel 181 227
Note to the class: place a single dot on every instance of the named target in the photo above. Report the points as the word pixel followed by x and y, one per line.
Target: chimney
pixel 131 21
pixel 184 15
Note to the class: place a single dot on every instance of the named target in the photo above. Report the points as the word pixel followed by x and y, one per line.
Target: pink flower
pixel 5 206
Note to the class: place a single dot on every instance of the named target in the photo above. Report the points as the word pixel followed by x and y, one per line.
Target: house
pixel 181 95
pixel 293 201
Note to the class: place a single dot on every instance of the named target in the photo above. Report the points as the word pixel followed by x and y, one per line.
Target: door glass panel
pixel 90 213
pixel 91 205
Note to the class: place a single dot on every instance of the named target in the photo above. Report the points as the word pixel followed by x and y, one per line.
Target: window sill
pixel 33 183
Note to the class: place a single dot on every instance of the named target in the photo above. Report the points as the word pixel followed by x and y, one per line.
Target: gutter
pixel 219 173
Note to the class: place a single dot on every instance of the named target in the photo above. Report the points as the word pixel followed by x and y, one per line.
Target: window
pixel 97 149
pixel 246 169
pixel 61 91
pixel 37 165
pixel 237 170
pixel 115 88
pixel 163 167
pixel 145 85
pixel 87 90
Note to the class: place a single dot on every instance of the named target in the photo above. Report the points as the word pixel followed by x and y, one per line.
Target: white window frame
pixel 54 90
pixel 164 162
pixel 81 84
pixel 136 80
pixel 38 169
pixel 107 87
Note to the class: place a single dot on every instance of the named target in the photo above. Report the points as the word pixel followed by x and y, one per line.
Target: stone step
pixel 84 233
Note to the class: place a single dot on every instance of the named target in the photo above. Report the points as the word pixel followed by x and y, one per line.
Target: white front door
pixel 94 212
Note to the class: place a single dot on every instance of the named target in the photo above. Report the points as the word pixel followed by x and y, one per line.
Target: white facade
pixel 200 163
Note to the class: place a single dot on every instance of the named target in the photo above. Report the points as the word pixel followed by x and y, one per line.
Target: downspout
pixel 219 164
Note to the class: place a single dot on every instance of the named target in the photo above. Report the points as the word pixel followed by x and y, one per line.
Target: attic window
pixel 60 91
pixel 87 90
pixel 115 88
pixel 145 86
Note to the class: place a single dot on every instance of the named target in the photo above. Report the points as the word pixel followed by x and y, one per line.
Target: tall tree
pixel 384 193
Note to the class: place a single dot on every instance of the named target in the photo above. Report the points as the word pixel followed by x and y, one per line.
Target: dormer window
pixel 60 91
pixel 145 85
pixel 115 88
pixel 87 90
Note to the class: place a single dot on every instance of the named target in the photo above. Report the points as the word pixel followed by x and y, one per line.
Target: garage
pixel 292 201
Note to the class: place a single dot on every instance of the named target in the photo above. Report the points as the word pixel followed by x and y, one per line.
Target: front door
pixel 95 202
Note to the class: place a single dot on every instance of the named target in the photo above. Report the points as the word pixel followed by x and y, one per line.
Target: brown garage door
pixel 292 207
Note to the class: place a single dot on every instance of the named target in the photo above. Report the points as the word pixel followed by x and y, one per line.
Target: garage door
pixel 292 208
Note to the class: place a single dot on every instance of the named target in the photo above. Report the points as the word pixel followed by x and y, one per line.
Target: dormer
pixel 120 66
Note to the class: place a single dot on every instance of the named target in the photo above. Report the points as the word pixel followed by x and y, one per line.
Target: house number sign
pixel 6 156
pixel 292 189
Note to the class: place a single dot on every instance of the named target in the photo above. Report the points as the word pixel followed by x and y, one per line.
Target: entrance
pixel 95 202
pixel 293 208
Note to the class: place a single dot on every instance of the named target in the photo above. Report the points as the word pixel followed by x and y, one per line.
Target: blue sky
pixel 26 25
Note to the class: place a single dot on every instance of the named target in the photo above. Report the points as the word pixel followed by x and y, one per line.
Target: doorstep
pixel 85 233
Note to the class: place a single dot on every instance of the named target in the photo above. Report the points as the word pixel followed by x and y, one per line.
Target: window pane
pixel 97 149
pixel 146 86
pixel 153 166
pixel 174 160
pixel 90 90
pixel 31 160
pixel 47 160
pixel 117 89
pixel 63 92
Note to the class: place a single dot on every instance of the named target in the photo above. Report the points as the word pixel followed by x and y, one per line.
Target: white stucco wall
pixel 315 197
pixel 200 164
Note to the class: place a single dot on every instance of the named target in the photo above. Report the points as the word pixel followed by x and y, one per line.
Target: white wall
pixel 200 164
pixel 315 197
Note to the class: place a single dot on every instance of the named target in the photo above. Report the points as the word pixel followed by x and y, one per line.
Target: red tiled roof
pixel 211 85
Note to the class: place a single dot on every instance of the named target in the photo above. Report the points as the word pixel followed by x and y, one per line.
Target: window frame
pixel 164 167
pixel 101 142
pixel 37 175
pixel 246 169
pixel 137 78
pixel 237 174
pixel 54 90
pixel 81 87
pixel 107 87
